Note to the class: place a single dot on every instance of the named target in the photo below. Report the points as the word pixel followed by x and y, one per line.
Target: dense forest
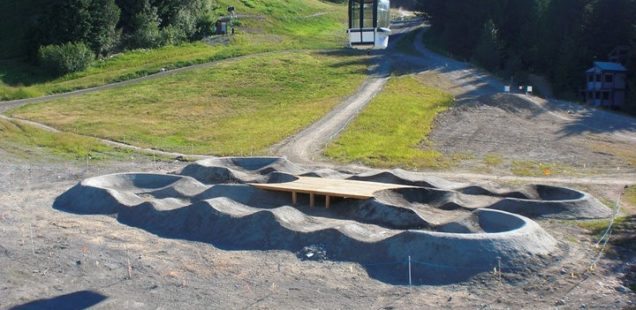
pixel 65 36
pixel 557 39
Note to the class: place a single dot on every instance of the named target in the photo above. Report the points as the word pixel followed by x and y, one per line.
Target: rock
pixel 560 302
pixel 623 289
pixel 312 252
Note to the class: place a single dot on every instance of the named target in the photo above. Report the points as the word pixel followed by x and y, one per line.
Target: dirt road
pixel 473 83
pixel 307 146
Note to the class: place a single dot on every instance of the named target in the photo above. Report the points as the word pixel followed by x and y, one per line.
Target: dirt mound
pixel 399 176
pixel 439 227
pixel 438 207
pixel 516 129
pixel 238 169
pixel 230 224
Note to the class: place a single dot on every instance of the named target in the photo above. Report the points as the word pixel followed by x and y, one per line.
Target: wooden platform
pixel 329 188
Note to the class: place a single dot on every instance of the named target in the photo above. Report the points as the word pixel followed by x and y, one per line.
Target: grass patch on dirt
pixel 268 26
pixel 232 108
pixel 493 159
pixel 531 168
pixel 623 151
pixel 630 195
pixel 30 142
pixel 598 227
pixel 393 129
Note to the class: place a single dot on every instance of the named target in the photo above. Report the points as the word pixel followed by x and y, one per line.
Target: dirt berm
pixel 455 235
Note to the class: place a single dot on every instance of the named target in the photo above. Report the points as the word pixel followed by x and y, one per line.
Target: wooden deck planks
pixel 329 188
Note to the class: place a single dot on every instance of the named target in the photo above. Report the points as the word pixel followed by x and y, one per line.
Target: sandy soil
pixel 47 255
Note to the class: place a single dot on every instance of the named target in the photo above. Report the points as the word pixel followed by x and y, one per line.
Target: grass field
pixel 236 107
pixel 630 195
pixel 268 26
pixel 29 142
pixel 392 131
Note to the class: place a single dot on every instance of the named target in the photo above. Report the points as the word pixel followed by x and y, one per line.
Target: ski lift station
pixel 369 24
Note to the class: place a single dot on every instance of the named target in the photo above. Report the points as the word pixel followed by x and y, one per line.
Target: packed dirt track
pixel 457 230
pixel 167 234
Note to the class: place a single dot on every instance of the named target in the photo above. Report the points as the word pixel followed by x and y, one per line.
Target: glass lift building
pixel 369 24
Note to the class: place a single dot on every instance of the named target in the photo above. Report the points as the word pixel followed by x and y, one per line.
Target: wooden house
pixel 606 84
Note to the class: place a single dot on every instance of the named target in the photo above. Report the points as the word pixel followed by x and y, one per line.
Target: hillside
pixel 263 26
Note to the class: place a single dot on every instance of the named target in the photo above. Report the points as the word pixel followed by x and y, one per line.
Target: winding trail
pixel 112 143
pixel 306 146
pixel 11 104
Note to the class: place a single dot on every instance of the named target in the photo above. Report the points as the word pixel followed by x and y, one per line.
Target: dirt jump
pixel 460 229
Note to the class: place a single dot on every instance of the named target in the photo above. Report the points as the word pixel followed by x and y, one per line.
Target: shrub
pixel 172 35
pixel 205 27
pixel 65 58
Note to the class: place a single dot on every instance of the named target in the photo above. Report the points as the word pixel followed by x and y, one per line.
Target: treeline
pixel 67 35
pixel 558 39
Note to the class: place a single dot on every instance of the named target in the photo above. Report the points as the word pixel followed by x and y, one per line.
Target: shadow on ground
pixel 450 235
pixel 73 301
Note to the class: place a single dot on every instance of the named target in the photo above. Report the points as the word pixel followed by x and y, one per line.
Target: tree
pixel 488 50
pixel 104 18
pixel 145 25
pixel 90 21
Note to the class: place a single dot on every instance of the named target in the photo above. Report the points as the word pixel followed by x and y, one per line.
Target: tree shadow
pixel 77 300
pixel 596 121
pixel 15 73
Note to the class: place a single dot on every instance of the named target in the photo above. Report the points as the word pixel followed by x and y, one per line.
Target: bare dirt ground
pixel 47 255
pixel 516 129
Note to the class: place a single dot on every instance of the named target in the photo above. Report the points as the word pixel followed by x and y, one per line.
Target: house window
pixel 609 78
pixel 605 96
pixel 597 95
pixel 598 77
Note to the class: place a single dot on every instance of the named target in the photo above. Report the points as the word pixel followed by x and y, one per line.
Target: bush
pixel 65 58
pixel 205 27
pixel 172 35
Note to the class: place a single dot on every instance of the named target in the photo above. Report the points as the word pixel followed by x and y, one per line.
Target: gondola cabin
pixel 369 24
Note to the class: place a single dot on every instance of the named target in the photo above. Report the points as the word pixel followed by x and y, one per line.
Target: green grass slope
pixel 236 107
pixel 272 25
pixel 377 139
